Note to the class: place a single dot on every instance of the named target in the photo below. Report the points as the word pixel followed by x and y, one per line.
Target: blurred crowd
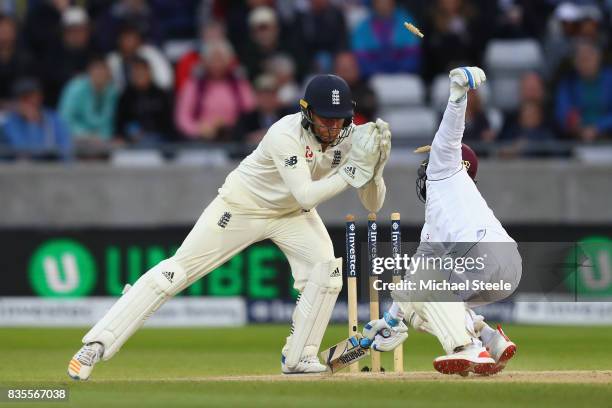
pixel 90 76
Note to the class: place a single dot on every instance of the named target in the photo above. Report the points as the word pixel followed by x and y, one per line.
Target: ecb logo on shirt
pixel 337 158
pixel 291 161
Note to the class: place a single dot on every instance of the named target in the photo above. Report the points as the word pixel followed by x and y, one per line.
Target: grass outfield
pixel 240 367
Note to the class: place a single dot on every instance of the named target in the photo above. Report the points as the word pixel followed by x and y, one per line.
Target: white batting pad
pixel 446 321
pixel 314 310
pixel 139 302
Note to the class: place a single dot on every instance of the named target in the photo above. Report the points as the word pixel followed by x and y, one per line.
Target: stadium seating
pixel 513 57
pixel 412 123
pixel 398 90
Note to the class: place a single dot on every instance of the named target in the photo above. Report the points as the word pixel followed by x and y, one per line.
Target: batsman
pixel 304 159
pixel 459 225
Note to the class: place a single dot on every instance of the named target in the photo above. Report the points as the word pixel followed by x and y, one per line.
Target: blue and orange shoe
pixel 82 364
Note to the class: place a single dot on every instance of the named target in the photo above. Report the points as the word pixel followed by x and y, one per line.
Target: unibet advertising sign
pixel 62 268
pixel 590 267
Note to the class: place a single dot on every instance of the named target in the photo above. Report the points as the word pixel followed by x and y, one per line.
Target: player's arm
pixel 357 172
pixel 288 156
pixel 445 155
pixel 372 195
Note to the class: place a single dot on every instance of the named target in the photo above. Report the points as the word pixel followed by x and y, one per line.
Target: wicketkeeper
pixel 458 225
pixel 304 159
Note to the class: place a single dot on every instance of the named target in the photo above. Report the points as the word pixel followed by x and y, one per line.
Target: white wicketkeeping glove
pixel 463 79
pixel 384 334
pixel 385 147
pixel 363 157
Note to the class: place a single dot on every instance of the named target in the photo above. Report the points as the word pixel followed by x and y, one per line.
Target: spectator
pixel 584 97
pixel 14 60
pixel 590 28
pixel 532 91
pixel 194 59
pixel 133 13
pixel 283 69
pixel 145 111
pixel 88 105
pixel 355 11
pixel 238 20
pixel 532 88
pixel 477 125
pixel 382 44
pixel 528 133
pixel 33 131
pixel 265 41
pixel 210 102
pixel 131 45
pixel 252 126
pixel 455 37
pixel 521 18
pixel 347 67
pixel 70 57
pixel 42 25
pixel 563 30
pixel 321 29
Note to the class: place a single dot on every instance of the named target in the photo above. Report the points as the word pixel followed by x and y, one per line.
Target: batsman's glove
pixel 463 79
pixel 384 334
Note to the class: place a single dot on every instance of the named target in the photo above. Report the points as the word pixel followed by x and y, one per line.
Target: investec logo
pixel 395 237
pixel 373 233
pixel 352 257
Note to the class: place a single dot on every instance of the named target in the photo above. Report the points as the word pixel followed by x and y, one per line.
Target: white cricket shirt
pixel 288 171
pixel 455 211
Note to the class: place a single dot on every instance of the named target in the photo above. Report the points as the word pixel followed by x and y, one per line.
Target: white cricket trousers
pixel 221 232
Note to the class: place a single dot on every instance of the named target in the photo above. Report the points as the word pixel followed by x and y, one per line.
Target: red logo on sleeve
pixel 309 153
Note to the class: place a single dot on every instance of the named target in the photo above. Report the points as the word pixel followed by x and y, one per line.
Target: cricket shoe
pixel 307 365
pixel 472 359
pixel 502 349
pixel 82 364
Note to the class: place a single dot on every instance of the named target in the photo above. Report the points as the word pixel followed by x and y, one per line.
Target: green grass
pixel 164 367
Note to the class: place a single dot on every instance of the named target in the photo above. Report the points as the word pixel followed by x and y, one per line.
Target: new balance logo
pixel 224 220
pixel 291 161
pixel 168 275
pixel 335 273
pixel 335 97
pixel 350 171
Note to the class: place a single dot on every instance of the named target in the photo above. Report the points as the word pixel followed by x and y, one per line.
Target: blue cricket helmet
pixel 328 96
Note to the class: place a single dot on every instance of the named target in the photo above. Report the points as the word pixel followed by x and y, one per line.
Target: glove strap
pixel 390 320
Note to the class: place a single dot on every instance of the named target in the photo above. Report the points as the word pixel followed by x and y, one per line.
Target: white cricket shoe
pixel 82 364
pixel 502 349
pixel 307 365
pixel 472 359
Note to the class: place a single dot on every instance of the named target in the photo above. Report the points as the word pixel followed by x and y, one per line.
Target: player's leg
pixel 442 314
pixel 501 348
pixel 218 234
pixel 318 277
pixel 505 259
pixel 502 263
